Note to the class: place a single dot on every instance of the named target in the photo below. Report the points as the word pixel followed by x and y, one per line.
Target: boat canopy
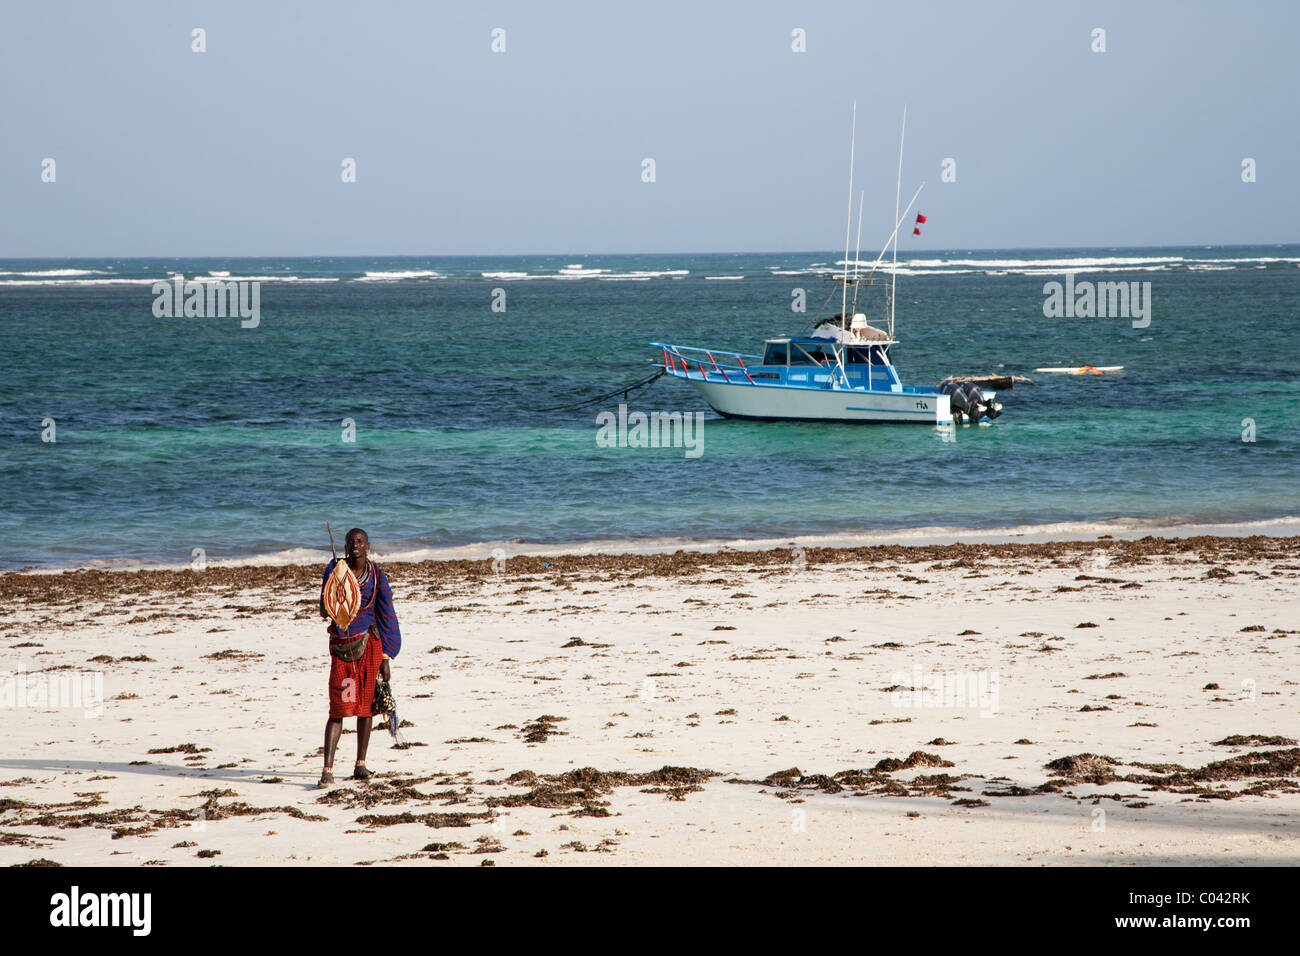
pixel 859 330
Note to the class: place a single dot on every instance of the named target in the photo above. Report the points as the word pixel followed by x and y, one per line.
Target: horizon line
pixel 724 252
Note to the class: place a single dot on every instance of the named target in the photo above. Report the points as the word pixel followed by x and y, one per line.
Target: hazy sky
pixel 161 151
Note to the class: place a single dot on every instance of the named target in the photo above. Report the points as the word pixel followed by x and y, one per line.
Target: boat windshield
pixel 802 353
pixel 777 353
pixel 815 353
pixel 864 355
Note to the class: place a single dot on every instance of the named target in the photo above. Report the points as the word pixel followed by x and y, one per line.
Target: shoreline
pixel 1118 529
pixel 55 587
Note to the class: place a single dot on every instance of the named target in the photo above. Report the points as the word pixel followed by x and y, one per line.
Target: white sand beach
pixel 774 682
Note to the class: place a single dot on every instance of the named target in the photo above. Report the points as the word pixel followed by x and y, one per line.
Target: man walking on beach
pixel 358 657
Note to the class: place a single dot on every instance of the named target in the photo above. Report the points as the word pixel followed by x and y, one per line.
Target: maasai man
pixel 352 683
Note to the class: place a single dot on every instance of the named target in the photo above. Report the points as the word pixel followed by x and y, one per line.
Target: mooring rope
pixel 600 398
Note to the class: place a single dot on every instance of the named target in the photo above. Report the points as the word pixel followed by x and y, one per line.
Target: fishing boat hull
pixel 782 403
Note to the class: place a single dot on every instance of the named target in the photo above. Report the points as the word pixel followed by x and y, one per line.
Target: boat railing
pixel 685 361
pixel 729 366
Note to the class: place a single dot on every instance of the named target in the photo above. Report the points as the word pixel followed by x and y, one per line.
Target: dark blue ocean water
pixel 181 433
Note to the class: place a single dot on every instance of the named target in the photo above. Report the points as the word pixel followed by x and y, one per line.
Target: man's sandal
pixel 326 779
pixel 361 773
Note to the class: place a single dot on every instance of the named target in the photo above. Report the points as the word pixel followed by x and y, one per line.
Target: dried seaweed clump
pixel 1084 768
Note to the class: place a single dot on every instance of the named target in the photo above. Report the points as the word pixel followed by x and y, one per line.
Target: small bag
pixel 352 650
pixel 384 702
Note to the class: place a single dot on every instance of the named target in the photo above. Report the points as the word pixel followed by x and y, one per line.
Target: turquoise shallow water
pixel 180 433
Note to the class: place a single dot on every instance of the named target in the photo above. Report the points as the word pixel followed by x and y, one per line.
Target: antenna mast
pixel 848 218
pixel 857 251
pixel 898 189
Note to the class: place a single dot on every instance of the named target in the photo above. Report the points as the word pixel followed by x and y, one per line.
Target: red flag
pixel 916 232
pixel 920 218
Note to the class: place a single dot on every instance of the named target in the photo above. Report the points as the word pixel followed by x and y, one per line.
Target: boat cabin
pixel 811 361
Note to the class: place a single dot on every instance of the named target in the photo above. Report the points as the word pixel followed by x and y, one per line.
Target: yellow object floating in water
pixel 1084 369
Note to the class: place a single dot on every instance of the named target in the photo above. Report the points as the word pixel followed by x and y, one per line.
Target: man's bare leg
pixel 333 728
pixel 363 741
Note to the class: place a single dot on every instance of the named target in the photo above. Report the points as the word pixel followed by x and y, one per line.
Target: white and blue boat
pixel 840 372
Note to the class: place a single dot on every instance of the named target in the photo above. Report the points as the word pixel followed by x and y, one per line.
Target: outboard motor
pixel 964 398
pixel 970 402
